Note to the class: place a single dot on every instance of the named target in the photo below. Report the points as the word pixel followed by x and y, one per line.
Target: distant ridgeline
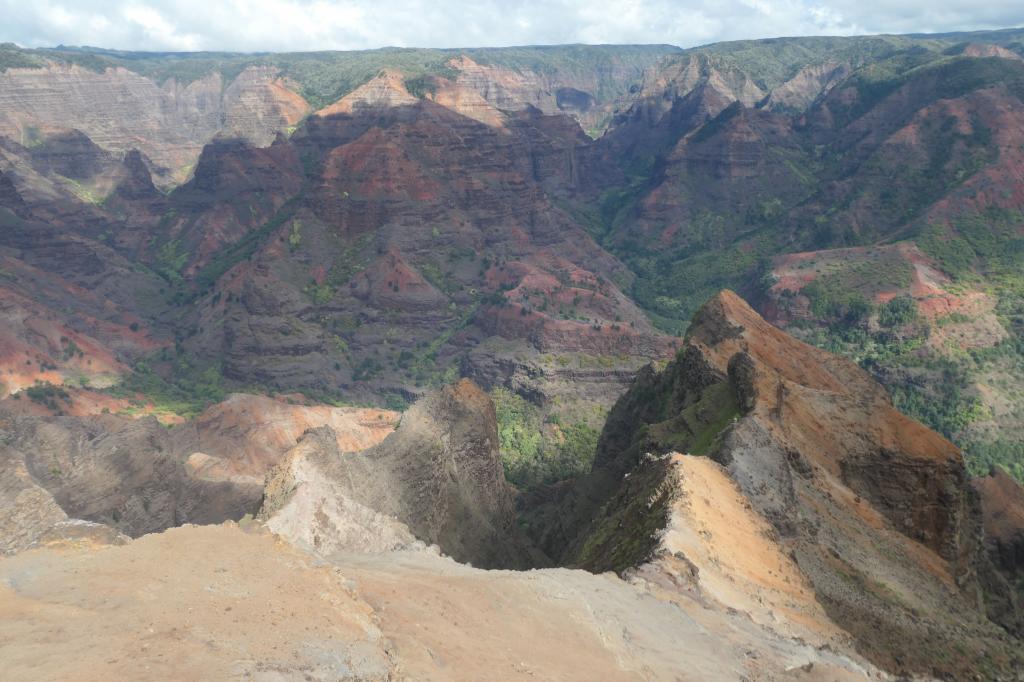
pixel 363 226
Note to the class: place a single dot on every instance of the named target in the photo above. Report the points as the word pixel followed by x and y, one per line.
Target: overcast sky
pixel 288 25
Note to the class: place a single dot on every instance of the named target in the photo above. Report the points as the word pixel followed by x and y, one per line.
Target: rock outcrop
pixel 874 510
pixel 1002 506
pixel 439 475
pixel 126 473
pixel 808 525
pixel 30 517
pixel 139 476
pixel 382 92
pixel 250 433
pixel 416 235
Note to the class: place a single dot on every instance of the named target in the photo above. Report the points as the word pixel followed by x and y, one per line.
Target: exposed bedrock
pixel 439 475
pixel 138 476
pixel 875 510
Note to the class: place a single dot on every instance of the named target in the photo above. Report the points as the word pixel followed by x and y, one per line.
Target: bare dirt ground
pixel 237 604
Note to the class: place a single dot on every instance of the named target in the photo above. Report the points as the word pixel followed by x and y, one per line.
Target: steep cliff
pixel 138 476
pixel 874 510
pixel 439 475
pixel 169 122
pixel 1002 505
pixel 412 237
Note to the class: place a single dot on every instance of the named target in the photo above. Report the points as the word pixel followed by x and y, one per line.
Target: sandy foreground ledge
pixel 222 602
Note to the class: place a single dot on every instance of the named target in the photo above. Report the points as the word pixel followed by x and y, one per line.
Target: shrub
pixel 899 311
pixel 47 394
pixel 533 455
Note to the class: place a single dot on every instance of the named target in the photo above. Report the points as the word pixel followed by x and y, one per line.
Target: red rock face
pixel 1002 503
pixel 412 223
pixel 853 167
pixel 40 341
pixel 462 223
pixel 390 282
pixel 236 188
pixel 729 166
pixel 933 291
pixel 426 193
pixel 396 230
pixel 1002 506
pixel 248 434
pixel 859 495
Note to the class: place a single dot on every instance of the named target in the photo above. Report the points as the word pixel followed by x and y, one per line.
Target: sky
pixel 293 25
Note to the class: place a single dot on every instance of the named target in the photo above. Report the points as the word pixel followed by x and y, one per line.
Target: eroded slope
pixel 871 509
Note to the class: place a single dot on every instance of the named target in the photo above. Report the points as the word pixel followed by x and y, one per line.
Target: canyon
pixel 569 362
pixel 723 531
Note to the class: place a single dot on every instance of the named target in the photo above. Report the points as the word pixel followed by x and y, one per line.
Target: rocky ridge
pixel 809 525
pixel 389 605
pixel 874 511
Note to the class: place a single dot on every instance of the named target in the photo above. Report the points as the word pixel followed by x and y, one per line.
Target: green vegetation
pixel 189 390
pixel 673 283
pixel 1003 453
pixel 320 294
pixel 426 365
pixel 938 387
pixel 830 301
pixel 899 311
pixel 679 266
pixel 628 525
pixel 83 193
pixel 350 259
pixel 712 245
pixel 13 57
pixel 535 453
pixel 439 278
pixel 844 293
pixel 949 407
pixel 170 260
pixel 244 248
pixel 70 349
pixel 420 86
pixel 48 395
pixel 772 62
pixel 367 369
pixel 987 243
pixel 698 429
pixel 717 124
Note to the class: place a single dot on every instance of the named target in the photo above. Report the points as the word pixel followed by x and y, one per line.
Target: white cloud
pixel 257 25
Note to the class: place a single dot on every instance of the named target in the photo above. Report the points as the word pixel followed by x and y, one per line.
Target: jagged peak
pixel 727 325
pixel 729 306
pixel 383 91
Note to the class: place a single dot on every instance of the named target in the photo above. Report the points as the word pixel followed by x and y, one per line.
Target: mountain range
pixel 223 276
